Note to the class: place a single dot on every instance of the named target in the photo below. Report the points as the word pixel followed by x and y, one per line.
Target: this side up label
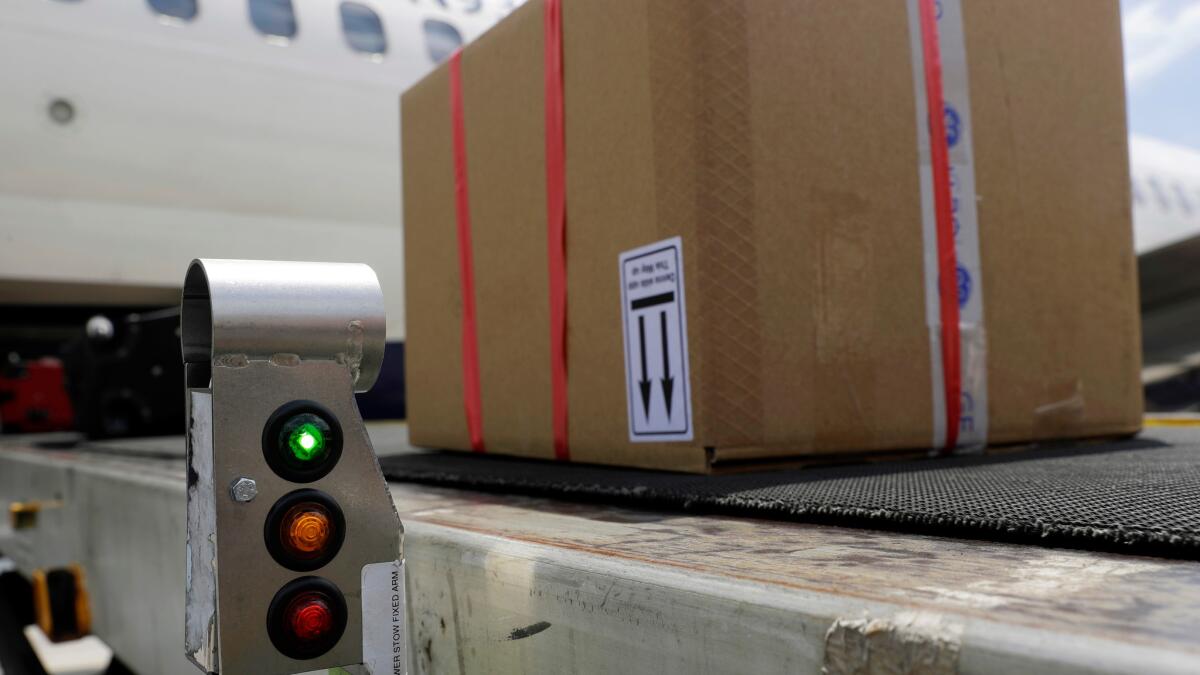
pixel 654 319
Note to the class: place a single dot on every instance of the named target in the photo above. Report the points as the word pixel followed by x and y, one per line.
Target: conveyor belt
pixel 1139 496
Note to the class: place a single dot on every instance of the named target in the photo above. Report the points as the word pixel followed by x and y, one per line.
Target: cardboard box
pixel 780 142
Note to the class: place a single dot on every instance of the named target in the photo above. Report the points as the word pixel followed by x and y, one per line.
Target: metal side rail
pixel 514 584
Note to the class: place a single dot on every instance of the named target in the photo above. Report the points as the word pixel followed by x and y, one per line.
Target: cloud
pixel 1158 34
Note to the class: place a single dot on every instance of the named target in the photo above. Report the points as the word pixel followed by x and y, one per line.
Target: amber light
pixel 306 530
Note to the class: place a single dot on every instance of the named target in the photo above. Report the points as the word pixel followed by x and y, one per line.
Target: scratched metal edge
pixel 986 645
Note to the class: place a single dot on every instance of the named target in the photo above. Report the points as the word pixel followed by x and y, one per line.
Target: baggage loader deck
pixel 501 583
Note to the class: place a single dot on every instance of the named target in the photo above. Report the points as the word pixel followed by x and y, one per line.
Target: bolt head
pixel 243 490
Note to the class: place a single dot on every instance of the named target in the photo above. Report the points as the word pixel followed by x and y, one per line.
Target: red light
pixel 309 616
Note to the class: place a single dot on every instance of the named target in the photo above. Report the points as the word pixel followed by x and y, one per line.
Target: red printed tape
pixel 947 265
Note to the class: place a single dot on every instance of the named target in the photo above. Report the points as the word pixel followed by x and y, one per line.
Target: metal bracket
pixel 258 336
pixel 235 311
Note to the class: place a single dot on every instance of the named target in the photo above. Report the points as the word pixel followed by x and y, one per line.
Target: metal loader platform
pixel 519 584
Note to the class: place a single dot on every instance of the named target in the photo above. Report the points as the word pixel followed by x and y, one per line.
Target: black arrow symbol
pixel 644 383
pixel 668 382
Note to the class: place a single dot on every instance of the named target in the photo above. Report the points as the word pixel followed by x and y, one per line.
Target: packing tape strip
pixel 556 217
pixel 556 222
pixel 959 286
pixel 472 396
pixel 701 113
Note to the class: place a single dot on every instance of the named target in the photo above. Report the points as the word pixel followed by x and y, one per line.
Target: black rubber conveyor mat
pixel 1137 496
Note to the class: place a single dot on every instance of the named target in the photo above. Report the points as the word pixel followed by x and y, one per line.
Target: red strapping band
pixel 556 223
pixel 944 215
pixel 472 401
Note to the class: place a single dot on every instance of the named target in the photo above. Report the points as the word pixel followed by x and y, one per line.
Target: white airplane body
pixel 134 141
pixel 203 137
pixel 1166 193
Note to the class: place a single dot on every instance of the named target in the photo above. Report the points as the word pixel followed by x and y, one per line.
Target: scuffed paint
pixel 1061 575
pixel 230 361
pixel 905 643
pixel 200 639
pixel 353 356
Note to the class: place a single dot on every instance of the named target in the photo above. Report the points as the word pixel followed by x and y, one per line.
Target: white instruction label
pixel 654 317
pixel 384 619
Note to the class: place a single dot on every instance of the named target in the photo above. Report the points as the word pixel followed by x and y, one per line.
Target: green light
pixel 306 437
pixel 306 442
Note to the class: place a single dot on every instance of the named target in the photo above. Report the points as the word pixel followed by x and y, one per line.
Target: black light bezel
pixel 271 529
pixel 281 461
pixel 284 640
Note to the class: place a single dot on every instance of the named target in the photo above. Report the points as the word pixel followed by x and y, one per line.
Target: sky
pixel 1162 69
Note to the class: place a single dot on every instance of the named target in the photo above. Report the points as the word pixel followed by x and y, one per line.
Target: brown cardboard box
pixel 779 140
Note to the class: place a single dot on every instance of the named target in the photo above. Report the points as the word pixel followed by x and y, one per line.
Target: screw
pixel 243 490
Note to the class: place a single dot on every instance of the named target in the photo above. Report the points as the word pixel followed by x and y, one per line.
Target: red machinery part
pixel 33 397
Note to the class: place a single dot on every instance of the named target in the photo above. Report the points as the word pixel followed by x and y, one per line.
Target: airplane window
pixel 363 29
pixel 274 17
pixel 1159 195
pixel 441 39
pixel 179 9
